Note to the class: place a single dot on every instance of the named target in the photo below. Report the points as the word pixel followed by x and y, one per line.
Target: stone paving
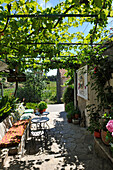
pixel 68 147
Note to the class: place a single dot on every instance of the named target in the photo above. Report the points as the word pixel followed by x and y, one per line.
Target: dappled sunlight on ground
pixel 66 147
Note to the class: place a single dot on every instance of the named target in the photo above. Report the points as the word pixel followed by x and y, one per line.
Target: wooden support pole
pixel 75 89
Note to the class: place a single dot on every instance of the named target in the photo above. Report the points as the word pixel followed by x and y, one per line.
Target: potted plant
pixel 42 106
pixel 95 129
pixel 69 106
pixel 94 118
pixel 69 117
pixel 32 106
pixel 77 113
pixel 105 119
pixel 68 95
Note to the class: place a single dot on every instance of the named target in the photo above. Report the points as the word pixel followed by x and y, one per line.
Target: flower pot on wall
pixel 103 137
pixel 76 116
pixel 69 120
pixel 97 134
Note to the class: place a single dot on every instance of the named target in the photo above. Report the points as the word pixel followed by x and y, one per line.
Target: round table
pixel 40 120
pixel 28 111
pixel 43 114
pixel 26 116
pixel 41 126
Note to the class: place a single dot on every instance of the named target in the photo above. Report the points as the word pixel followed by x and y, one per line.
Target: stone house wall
pixel 82 103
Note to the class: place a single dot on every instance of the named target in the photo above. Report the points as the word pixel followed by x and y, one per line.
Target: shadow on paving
pixel 72 143
pixel 17 165
pixel 63 136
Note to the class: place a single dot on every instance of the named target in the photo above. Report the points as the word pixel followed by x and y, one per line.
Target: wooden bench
pixel 13 142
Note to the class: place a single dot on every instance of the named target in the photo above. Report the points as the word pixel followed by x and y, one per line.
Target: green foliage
pixel 71 111
pixel 19 40
pixel 68 95
pixel 8 91
pixel 101 76
pixel 31 105
pixel 20 32
pixel 53 98
pixel 77 111
pixel 49 92
pixel 94 118
pixel 13 102
pixel 7 105
pixel 42 105
pixel 69 106
pixel 32 89
pixel 69 115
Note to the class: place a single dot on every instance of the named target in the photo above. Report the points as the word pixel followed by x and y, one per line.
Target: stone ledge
pixel 102 150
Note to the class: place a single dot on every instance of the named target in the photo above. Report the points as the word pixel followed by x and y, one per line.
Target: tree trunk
pixel 15 93
pixel 58 87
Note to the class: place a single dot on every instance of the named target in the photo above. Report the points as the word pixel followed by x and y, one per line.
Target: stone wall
pixel 82 103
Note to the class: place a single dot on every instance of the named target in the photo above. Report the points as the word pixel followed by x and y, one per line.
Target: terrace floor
pixel 69 147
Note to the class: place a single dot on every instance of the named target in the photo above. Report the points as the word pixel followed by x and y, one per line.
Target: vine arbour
pixel 73 4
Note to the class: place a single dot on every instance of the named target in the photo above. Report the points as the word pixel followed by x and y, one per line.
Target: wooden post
pixel 75 89
pixel 2 90
pixel 58 86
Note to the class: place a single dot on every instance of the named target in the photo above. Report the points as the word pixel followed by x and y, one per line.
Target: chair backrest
pixel 5 125
pixel 20 109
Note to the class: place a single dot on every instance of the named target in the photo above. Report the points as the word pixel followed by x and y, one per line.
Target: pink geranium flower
pixel 109 126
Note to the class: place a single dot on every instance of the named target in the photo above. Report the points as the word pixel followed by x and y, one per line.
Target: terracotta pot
pixel 76 116
pixel 97 134
pixel 103 137
pixel 34 110
pixel 41 111
pixel 69 120
pixel 44 110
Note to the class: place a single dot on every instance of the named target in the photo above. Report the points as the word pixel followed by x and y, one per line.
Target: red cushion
pixel 13 136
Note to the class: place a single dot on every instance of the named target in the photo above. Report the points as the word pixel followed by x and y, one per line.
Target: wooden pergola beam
pixel 53 15
pixel 31 43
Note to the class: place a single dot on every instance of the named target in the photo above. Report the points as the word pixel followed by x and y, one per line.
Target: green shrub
pixel 6 106
pixel 32 89
pixel 77 111
pixel 69 106
pixel 13 101
pixel 53 98
pixel 42 105
pixel 32 105
pixel 69 115
pixel 68 95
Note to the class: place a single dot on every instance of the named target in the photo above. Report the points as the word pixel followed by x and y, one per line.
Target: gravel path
pixel 68 147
